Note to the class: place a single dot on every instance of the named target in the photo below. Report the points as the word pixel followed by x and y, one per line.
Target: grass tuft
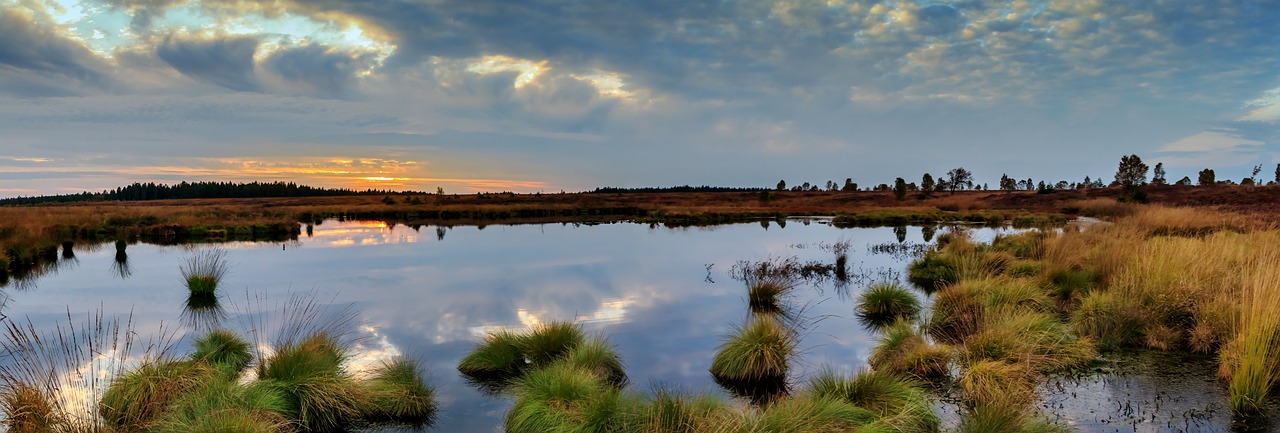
pixel 139 398
pixel 884 303
pixel 595 355
pixel 398 394
pixel 496 360
pixel 225 350
pixel 932 272
pixel 204 270
pixel 319 393
pixel 27 410
pixel 550 342
pixel 754 361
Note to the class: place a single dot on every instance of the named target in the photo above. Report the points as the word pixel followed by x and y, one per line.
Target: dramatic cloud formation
pixel 549 95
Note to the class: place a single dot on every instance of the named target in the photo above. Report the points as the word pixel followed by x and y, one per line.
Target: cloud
pixel 317 69
pixel 225 61
pixel 1211 141
pixel 36 54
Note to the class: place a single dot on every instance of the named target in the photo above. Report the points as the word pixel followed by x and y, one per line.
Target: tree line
pixel 186 190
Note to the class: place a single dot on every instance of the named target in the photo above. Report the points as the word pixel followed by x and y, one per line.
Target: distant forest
pixel 681 188
pixel 154 191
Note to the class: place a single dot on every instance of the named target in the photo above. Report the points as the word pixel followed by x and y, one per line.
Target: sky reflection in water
pixel 649 290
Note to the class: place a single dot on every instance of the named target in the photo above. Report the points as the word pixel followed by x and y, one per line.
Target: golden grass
pixel 1255 365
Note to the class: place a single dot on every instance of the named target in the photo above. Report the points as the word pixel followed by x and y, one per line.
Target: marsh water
pixel 663 297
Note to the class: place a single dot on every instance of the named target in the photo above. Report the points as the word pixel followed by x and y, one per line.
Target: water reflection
pixel 662 296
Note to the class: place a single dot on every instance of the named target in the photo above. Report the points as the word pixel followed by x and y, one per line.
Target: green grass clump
pixel 754 361
pixel 884 303
pixel 1113 321
pixel 902 349
pixel 497 359
pixel 563 398
pixel 1070 284
pixel 223 405
pixel 204 270
pixel 319 393
pixel 224 349
pixel 957 313
pixel 398 394
pixel 137 399
pixel 898 402
pixel 551 341
pixel 809 413
pixel 596 356
pixel 1007 418
pixel 672 412
pixel 932 272
pixel 1036 339
pixel 1025 245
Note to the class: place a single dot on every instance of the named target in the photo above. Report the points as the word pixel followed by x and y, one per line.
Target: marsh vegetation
pixel 1005 315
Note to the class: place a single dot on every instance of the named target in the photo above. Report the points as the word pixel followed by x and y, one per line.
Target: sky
pixel 551 95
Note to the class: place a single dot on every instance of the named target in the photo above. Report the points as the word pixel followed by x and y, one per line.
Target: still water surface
pixel 663 297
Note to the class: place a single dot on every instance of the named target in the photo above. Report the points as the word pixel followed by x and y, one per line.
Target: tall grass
pixel 1256 361
pixel 204 270
pixel 54 380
